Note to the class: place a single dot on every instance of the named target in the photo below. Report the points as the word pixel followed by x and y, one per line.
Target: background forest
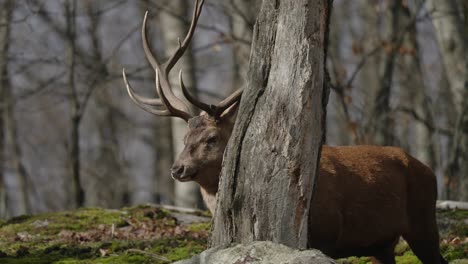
pixel 71 137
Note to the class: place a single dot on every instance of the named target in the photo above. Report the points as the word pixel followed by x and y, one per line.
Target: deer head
pixel 208 133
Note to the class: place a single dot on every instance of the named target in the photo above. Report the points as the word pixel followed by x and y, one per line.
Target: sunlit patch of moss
pixel 354 260
pixel 407 258
pixel 401 248
pixel 199 227
pixel 119 259
pixel 53 223
pixel 178 248
pixel 142 212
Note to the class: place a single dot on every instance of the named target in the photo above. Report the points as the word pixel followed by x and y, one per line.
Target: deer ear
pixel 230 113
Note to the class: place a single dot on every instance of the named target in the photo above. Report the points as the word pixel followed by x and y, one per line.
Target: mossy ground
pixel 143 234
pixel 148 234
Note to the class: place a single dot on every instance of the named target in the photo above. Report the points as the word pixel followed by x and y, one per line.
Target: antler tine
pixel 172 101
pixel 182 47
pixel 229 101
pixel 143 102
pixel 174 111
pixel 205 107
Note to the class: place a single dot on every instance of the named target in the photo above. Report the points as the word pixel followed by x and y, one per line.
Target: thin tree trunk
pixel 271 162
pixel 6 10
pixel 165 153
pixel 106 166
pixel 453 44
pixel 412 73
pixel 344 131
pixel 242 15
pixel 75 117
pixel 381 120
pixel 187 194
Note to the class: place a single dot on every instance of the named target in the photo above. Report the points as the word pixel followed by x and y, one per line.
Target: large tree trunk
pixel 270 165
pixel 453 42
pixel 187 194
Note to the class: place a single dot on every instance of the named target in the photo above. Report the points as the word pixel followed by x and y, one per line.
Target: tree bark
pixel 272 159
pixel 187 194
pixel 453 43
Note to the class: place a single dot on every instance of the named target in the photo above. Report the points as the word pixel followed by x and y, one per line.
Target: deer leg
pixel 427 251
pixel 423 238
pixel 385 254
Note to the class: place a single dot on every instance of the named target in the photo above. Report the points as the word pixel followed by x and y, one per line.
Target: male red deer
pixel 366 196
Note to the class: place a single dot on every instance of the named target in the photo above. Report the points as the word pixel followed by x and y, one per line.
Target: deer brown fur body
pixel 366 197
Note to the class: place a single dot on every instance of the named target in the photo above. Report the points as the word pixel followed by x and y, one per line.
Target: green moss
pixel 122 259
pixel 407 258
pixel 401 248
pixel 143 212
pixel 453 214
pixel 177 249
pixel 199 227
pixel 460 229
pixel 453 252
pixel 355 260
pixel 83 236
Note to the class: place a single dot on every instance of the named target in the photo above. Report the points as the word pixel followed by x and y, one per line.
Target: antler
pixel 174 106
pixel 212 110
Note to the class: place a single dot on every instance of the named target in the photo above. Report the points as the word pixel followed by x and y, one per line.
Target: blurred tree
pixel 6 10
pixel 381 121
pixel 162 139
pixel 105 165
pixel 242 15
pixel 450 30
pixel 13 147
pixel 75 110
pixel 187 194
pixel 410 73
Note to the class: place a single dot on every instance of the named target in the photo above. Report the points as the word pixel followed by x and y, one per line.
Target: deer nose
pixel 177 171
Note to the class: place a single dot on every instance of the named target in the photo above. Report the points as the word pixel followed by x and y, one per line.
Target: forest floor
pixel 151 234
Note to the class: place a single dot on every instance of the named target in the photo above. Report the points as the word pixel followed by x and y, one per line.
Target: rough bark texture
pixel 271 162
pixel 453 42
pixel 187 194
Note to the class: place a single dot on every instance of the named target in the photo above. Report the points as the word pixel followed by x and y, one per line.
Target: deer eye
pixel 211 140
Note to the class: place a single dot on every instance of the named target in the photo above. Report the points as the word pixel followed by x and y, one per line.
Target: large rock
pixel 264 252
